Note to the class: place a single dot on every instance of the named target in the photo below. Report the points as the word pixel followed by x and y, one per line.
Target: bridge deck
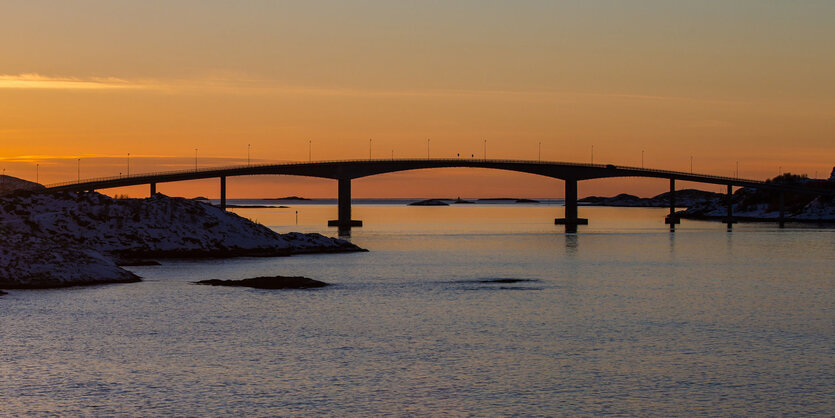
pixel 351 169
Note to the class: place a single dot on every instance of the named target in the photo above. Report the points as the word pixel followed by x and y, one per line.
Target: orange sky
pixel 745 81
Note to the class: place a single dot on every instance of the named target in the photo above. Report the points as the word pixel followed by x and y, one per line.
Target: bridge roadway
pixel 345 171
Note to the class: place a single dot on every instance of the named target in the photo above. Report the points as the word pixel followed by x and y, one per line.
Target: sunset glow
pixel 714 83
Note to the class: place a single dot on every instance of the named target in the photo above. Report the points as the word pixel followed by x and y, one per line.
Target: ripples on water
pixel 486 310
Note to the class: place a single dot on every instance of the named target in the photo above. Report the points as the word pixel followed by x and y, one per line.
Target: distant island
pixel 58 239
pixel 445 202
pixel 684 198
pixel 287 198
pixel 430 202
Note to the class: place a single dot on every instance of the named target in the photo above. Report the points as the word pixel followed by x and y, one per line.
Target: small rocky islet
pixel 268 282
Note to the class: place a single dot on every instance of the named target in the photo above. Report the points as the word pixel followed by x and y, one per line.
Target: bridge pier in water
pixel 672 219
pixel 223 192
pixel 571 220
pixel 344 221
pixel 782 218
pixel 153 189
pixel 729 201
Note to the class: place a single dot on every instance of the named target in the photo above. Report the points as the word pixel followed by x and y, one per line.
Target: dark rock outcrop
pixel 274 282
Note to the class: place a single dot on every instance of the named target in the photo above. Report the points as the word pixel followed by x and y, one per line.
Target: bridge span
pixel 347 170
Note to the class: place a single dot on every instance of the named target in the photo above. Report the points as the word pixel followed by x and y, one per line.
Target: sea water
pixel 484 309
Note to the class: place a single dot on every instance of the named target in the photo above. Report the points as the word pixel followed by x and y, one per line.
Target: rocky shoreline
pixel 64 239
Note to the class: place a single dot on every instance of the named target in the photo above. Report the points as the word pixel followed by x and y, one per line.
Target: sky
pixel 719 83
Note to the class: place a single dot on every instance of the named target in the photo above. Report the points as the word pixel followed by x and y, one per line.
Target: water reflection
pixel 572 242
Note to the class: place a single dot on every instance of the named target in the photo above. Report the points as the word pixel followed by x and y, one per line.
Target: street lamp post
pixel 195 159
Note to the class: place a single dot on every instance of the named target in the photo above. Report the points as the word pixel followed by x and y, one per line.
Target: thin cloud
pixel 241 84
pixel 47 158
pixel 37 81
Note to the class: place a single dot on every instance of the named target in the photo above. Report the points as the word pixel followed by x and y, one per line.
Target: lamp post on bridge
pixel 195 159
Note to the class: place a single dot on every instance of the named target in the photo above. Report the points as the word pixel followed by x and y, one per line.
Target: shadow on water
pixel 489 284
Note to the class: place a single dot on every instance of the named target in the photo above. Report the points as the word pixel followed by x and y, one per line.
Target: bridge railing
pixel 637 170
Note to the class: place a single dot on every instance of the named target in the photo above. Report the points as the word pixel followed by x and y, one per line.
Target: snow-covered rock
pixel 65 237
pixel 752 205
pixel 32 262
pixel 158 226
pixel 9 184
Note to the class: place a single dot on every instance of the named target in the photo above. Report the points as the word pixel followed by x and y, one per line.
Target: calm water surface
pixel 622 318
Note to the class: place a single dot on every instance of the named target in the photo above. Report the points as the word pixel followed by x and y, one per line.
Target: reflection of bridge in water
pixel 345 171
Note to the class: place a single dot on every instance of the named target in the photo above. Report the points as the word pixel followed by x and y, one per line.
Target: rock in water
pixel 274 282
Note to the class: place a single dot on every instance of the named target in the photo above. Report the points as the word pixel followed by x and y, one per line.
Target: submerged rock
pixel 274 282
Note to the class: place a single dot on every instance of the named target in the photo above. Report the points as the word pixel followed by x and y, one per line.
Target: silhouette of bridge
pixel 347 170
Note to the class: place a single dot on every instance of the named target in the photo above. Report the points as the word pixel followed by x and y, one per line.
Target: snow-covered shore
pixel 62 239
pixel 753 205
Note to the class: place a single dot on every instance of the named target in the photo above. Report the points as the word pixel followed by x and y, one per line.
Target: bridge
pixel 345 171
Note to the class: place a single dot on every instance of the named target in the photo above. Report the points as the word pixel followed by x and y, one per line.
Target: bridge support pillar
pixel 153 189
pixel 223 192
pixel 672 219
pixel 344 208
pixel 730 202
pixel 571 220
pixel 782 218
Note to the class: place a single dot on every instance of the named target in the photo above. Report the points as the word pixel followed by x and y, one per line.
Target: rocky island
pixel 65 239
pixel 748 204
